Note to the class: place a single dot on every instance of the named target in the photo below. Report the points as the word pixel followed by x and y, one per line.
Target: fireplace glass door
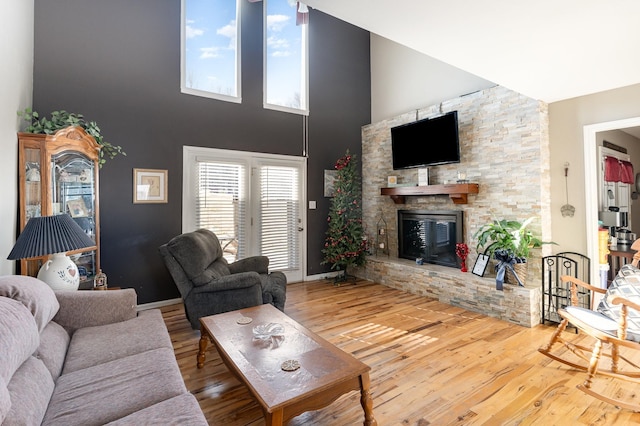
pixel 430 235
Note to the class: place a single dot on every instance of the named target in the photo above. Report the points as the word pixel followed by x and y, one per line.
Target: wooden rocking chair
pixel 604 330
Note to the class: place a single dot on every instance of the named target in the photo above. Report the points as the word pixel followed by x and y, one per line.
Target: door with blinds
pixel 252 202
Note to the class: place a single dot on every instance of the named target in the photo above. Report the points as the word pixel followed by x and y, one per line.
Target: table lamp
pixel 53 235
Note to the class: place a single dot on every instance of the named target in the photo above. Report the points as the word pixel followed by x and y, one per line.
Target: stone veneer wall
pixel 504 146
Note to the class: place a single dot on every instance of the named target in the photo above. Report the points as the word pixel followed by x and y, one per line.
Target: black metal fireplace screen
pixel 431 235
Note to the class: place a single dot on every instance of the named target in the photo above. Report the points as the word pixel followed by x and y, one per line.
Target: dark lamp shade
pixel 48 235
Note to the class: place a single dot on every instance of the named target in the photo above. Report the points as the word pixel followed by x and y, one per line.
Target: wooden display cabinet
pixel 59 174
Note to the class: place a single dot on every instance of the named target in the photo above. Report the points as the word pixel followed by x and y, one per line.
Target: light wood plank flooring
pixel 432 364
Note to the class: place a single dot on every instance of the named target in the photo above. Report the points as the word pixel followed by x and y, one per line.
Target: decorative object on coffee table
pixel 290 365
pixel 462 251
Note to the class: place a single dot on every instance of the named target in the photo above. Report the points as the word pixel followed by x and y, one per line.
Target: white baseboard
pixel 160 304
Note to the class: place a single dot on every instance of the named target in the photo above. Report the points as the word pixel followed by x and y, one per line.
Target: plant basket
pixel 521 269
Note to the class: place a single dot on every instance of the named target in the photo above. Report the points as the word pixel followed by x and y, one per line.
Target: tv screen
pixel 426 142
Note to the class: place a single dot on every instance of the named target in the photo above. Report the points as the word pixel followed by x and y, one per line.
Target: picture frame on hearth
pixel 480 266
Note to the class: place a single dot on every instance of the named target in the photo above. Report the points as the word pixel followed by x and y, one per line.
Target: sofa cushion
pixel 178 411
pixel 96 345
pixel 626 284
pixel 18 336
pixel 36 295
pixel 79 309
pixel 30 389
pixel 195 251
pixel 54 341
pixel 107 392
pixel 5 400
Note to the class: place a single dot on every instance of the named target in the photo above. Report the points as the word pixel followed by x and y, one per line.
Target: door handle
pixel 300 228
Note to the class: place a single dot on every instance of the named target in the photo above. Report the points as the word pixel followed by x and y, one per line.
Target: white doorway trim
pixel 591 183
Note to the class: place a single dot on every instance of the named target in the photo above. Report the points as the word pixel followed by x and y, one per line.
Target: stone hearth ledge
pixel 515 304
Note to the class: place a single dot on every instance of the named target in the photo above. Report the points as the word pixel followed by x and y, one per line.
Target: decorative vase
pixel 462 250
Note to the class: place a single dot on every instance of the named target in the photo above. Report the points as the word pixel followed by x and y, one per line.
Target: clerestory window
pixel 210 49
pixel 285 57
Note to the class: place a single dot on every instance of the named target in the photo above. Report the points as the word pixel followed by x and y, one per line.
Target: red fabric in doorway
pixel 611 169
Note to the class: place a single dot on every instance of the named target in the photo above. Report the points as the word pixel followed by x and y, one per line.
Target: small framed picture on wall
pixel 149 186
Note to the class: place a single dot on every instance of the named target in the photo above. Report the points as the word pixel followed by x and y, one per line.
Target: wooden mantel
pixel 456 191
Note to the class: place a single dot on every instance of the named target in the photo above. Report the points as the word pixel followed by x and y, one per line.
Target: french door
pixel 252 202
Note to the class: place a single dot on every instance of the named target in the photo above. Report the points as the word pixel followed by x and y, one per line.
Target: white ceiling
pixel 549 50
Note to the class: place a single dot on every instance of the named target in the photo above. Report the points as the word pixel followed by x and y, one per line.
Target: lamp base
pixel 60 273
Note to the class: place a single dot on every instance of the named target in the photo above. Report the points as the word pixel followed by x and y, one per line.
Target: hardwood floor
pixel 431 364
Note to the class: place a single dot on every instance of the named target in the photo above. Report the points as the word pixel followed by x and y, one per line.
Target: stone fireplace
pixel 430 235
pixel 504 146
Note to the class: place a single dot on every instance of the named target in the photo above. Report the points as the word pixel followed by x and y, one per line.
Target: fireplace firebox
pixel 431 235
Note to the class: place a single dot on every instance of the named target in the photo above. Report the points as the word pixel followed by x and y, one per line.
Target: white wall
pixel 566 132
pixel 403 80
pixel 16 86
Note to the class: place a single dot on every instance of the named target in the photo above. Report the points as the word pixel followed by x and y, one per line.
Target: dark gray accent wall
pixel 118 63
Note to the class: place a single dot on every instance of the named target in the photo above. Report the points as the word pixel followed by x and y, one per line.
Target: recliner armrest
pixel 230 282
pixel 259 264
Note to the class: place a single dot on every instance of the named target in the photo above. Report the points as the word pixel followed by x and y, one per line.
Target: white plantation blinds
pixel 221 205
pixel 279 206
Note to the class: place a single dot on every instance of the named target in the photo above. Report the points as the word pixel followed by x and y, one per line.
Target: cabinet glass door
pixel 33 188
pixel 74 193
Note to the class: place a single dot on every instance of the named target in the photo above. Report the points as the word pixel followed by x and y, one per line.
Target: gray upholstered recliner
pixel 210 285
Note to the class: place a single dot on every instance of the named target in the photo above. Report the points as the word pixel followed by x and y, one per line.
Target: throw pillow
pixel 36 295
pixel 626 284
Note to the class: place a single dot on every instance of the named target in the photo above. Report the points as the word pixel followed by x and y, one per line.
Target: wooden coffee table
pixel 325 371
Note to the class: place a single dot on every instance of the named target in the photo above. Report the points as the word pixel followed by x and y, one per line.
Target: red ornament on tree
pixel 462 250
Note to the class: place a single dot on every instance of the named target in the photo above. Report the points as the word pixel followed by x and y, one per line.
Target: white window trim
pixel 305 58
pixel 203 93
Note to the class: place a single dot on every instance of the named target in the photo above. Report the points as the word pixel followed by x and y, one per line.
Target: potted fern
pixel 62 119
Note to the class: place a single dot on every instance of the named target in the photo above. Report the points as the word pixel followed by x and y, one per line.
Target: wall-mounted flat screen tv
pixel 427 142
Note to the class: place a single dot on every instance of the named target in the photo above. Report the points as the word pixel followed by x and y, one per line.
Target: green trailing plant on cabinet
pixel 62 119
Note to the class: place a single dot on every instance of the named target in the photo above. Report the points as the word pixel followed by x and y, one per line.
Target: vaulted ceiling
pixel 549 50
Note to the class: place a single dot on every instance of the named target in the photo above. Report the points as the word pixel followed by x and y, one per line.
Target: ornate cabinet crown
pixel 59 174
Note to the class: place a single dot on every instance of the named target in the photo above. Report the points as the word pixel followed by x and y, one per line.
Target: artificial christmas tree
pixel 345 244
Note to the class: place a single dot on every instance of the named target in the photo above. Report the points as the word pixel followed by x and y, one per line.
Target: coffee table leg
pixel 366 401
pixel 274 419
pixel 202 347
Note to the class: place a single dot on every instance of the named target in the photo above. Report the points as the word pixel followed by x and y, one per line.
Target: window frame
pixel 252 161
pixel 305 72
pixel 238 72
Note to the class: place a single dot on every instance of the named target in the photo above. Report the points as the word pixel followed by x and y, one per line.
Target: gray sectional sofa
pixel 86 358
